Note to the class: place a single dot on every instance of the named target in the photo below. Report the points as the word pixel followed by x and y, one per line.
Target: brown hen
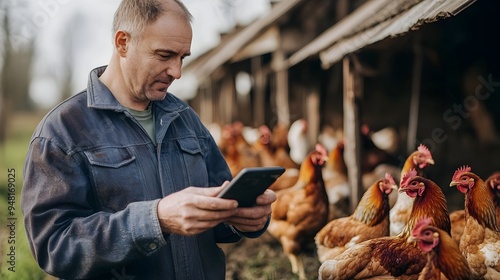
pixel 400 212
pixel 336 183
pixel 237 152
pixel 393 256
pixel 300 212
pixel 480 241
pixel 369 220
pixel 444 259
pixel 276 155
pixel 458 217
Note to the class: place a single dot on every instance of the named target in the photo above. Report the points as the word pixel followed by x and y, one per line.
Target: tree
pixel 15 66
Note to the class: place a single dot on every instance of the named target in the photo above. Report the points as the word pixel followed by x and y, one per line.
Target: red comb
pixel 461 170
pixel 321 149
pixel 409 175
pixel 424 150
pixel 389 178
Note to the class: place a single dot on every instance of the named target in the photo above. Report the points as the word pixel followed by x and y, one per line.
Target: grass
pixel 12 155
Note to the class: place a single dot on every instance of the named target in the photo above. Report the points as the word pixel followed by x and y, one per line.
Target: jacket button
pixel 153 246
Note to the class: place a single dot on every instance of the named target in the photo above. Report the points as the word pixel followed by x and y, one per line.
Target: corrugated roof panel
pixel 375 21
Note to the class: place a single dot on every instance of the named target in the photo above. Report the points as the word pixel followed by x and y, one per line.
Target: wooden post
pixel 411 141
pixel 313 112
pixel 229 103
pixel 283 109
pixel 352 151
pixel 205 102
pixel 259 103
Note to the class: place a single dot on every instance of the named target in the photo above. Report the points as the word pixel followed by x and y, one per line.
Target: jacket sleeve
pixel 67 236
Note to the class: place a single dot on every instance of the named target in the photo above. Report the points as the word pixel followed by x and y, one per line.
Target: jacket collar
pixel 100 97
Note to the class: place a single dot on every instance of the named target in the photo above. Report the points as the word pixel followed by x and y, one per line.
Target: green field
pixel 16 262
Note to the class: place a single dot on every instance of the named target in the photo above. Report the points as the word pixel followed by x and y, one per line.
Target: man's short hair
pixel 132 16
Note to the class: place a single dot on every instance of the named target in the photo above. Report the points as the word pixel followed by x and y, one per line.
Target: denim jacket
pixel 92 182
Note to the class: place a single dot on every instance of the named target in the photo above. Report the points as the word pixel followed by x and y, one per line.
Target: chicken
pixel 329 137
pixel 300 212
pixel 393 256
pixel 336 183
pixel 298 141
pixel 386 139
pixel 444 259
pixel 280 147
pixel 268 157
pixel 400 212
pixel 493 181
pixel 480 241
pixel 378 172
pixel 369 220
pixel 263 146
pixel 458 217
pixel 237 152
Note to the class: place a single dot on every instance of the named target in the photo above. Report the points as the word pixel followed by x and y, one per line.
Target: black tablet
pixel 250 183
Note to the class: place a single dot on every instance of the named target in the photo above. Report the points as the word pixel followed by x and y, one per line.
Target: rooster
pixel 444 259
pixel 400 212
pixel 300 212
pixel 480 241
pixel 393 256
pixel 369 220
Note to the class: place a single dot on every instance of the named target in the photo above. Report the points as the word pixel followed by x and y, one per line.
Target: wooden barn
pixel 426 68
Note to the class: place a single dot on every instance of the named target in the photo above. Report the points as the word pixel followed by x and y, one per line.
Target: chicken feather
pixel 480 241
pixel 400 212
pixel 393 256
pixel 369 220
pixel 300 212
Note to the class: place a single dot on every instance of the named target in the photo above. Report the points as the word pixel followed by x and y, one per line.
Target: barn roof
pixel 374 21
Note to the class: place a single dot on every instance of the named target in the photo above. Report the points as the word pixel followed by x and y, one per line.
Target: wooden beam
pixel 283 107
pixel 352 150
pixel 259 104
pixel 411 141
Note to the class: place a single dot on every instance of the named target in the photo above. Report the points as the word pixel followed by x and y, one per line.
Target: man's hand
pixel 250 219
pixel 194 210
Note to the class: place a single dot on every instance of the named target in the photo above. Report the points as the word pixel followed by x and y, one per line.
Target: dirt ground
pixel 263 258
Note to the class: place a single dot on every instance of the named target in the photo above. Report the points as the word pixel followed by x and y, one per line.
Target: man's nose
pixel 174 69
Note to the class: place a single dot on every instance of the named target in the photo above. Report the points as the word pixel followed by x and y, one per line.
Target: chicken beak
pixel 453 183
pixel 430 161
pixel 411 239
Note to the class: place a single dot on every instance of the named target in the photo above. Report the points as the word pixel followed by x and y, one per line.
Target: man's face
pixel 153 61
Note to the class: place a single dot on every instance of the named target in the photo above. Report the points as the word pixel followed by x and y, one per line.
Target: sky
pixel 72 37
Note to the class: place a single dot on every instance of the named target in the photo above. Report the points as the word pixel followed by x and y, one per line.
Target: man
pixel 120 180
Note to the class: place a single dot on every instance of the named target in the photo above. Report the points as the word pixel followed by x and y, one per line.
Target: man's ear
pixel 122 42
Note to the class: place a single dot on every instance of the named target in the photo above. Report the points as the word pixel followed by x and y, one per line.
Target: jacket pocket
pixel 117 178
pixel 192 157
